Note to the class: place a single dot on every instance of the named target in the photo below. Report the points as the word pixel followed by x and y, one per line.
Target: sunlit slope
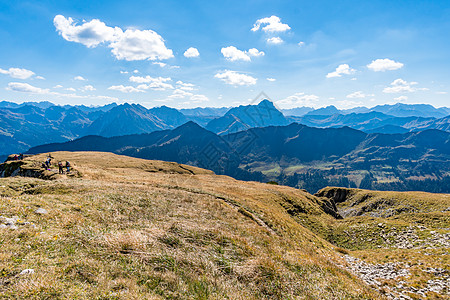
pixel 125 228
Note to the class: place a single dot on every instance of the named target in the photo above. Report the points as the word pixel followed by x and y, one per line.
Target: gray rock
pixel 27 272
pixel 41 211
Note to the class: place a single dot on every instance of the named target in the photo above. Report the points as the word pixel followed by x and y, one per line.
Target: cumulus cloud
pixel 359 94
pixel 179 93
pixel 232 53
pixel 80 78
pixel 161 64
pixel 191 52
pixel 271 79
pixel 299 99
pixel 341 70
pixel 17 73
pixel 89 34
pixel 235 78
pixel 140 45
pixel 123 72
pixel 381 65
pixel 71 89
pixel 401 98
pixel 40 77
pixel 125 89
pixel 87 88
pixel 185 86
pixel 26 88
pixel 301 44
pixel 182 94
pixel 402 86
pixel 270 25
pixel 154 83
pixel 274 40
pixel 199 98
pixel 58 86
pixel 127 45
pixel 147 79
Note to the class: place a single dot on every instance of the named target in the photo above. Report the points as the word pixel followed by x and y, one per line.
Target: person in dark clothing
pixel 20 156
pixel 60 166
pixel 48 161
pixel 68 166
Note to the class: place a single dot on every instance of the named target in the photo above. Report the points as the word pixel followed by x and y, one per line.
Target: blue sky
pixel 300 53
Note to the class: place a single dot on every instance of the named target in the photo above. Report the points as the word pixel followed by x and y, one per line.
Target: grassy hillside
pixel 126 228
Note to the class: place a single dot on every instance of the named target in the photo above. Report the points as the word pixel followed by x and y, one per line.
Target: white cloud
pixel 273 25
pixel 185 86
pixel 255 52
pixel 125 89
pixel 80 78
pixel 359 94
pixel 58 86
pixel 232 53
pixel 154 83
pixel 381 65
pixel 17 73
pixel 340 70
pixel 402 86
pixel 299 99
pixel 182 94
pixel 40 77
pixel 271 79
pixel 136 71
pixel 274 40
pixel 199 98
pixel 87 88
pixel 71 89
pixel 301 44
pixel 235 78
pixel 161 64
pixel 125 45
pixel 191 52
pixel 89 34
pixel 179 94
pixel 441 93
pixel 26 88
pixel 147 79
pixel 401 98
pixel 140 45
pixel 123 72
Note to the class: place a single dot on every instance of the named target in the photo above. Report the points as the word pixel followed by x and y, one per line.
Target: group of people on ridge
pixel 18 157
pixel 48 163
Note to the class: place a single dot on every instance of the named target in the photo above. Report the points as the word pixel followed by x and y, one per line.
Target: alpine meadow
pixel 224 150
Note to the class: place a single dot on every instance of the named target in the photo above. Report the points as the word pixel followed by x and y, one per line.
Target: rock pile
pixel 13 223
pixel 373 274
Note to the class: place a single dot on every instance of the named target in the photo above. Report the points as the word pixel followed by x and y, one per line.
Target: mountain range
pixel 34 123
pixel 290 154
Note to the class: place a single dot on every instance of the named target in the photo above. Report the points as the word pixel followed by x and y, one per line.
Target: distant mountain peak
pixel 266 102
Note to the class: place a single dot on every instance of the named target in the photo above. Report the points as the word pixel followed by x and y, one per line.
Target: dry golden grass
pixel 135 229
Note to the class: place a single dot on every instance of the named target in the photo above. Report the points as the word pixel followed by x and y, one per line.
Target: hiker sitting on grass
pixel 60 165
pixel 68 166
